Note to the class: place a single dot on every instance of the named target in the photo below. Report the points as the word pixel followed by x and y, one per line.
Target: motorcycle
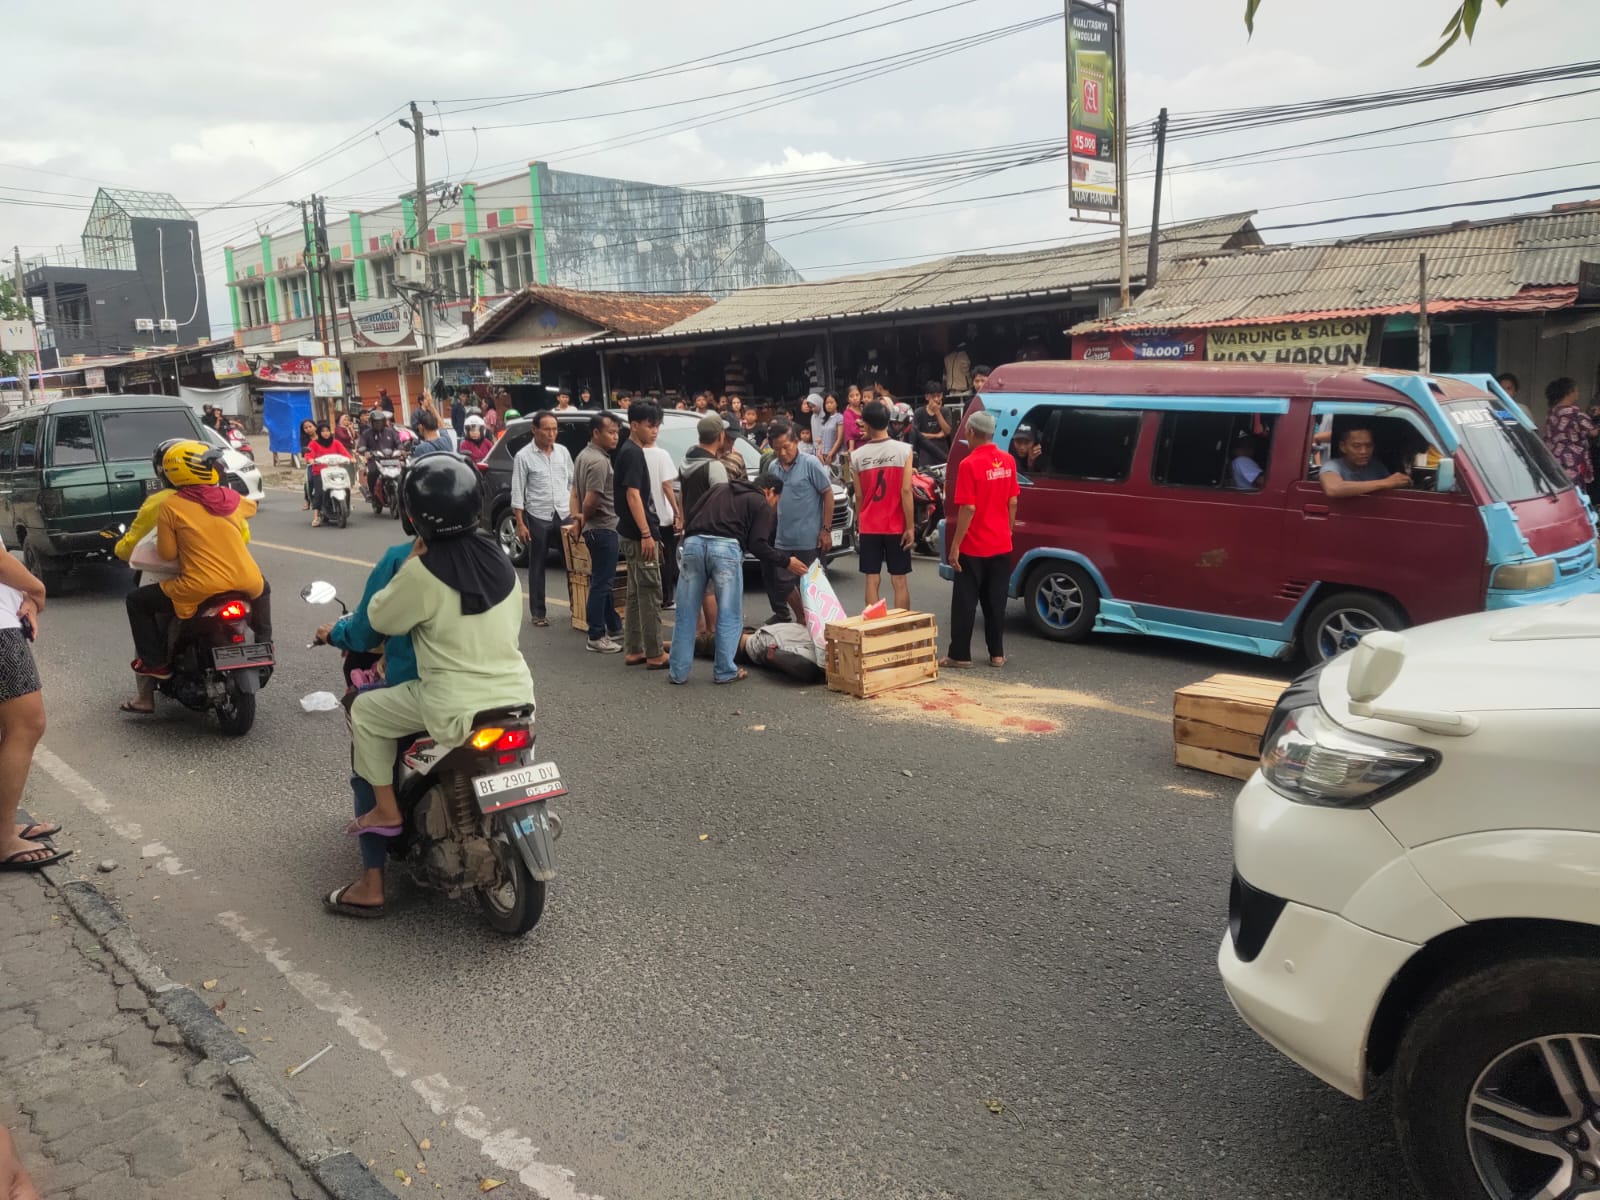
pixel 927 506
pixel 335 488
pixel 385 489
pixel 236 439
pixel 476 816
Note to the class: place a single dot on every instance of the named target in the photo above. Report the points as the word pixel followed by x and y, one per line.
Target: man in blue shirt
pixel 1245 472
pixel 1357 471
pixel 805 517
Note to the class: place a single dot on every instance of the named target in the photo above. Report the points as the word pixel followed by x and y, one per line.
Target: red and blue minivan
pixel 1133 517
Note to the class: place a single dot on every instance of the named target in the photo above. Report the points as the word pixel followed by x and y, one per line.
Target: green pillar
pixel 358 245
pixel 233 292
pixel 271 283
pixel 541 263
pixel 469 208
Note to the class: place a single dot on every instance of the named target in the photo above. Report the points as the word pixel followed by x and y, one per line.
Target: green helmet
pixel 513 415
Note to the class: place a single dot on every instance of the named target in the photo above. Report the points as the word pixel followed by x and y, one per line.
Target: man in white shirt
pixel 541 498
pixel 664 499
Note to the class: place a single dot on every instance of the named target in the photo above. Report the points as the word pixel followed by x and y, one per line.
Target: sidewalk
pixel 102 1097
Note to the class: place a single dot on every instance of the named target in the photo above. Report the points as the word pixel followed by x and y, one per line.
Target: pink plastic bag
pixel 821 606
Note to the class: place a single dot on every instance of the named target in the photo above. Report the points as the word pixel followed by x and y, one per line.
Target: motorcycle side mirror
pixel 319 592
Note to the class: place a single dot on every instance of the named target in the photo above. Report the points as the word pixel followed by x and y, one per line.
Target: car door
pixel 129 437
pixel 24 488
pixel 1425 549
pixel 8 468
pixel 74 475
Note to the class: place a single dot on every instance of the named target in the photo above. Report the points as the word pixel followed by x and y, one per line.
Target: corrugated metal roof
pixel 619 312
pixel 958 280
pixel 1469 266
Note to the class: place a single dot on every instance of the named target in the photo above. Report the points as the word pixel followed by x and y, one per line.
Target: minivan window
pixel 1197 449
pixel 74 442
pixel 1086 443
pixel 1512 461
pixel 8 448
pixel 28 444
pixel 135 433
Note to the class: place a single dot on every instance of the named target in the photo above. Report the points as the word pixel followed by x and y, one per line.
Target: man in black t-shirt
pixel 931 435
pixel 640 533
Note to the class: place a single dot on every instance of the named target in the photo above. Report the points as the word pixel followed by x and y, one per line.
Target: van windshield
pixel 1511 460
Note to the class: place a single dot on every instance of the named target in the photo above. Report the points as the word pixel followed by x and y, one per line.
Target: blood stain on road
pixel 1004 708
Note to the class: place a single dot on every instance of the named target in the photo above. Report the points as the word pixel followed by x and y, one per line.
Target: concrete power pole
pixel 1424 329
pixel 22 297
pixel 1153 255
pixel 319 210
pixel 419 134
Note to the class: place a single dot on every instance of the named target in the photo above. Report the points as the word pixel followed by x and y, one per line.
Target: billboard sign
pixel 1092 114
pixel 1331 343
pixel 386 325
pixel 1147 345
pixel 327 380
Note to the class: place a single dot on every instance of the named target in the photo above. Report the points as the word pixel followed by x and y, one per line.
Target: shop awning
pixel 509 348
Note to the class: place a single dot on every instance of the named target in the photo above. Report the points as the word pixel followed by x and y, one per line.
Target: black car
pixel 679 435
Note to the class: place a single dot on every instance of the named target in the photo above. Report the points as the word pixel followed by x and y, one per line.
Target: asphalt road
pixel 801 946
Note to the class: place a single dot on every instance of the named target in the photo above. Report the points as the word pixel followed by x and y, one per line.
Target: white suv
pixel 1416 893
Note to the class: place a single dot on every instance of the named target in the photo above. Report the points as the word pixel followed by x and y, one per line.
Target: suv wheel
pixel 1497 1083
pixel 505 532
pixel 45 567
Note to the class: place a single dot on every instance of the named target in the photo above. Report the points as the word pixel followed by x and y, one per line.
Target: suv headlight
pixel 1522 577
pixel 1310 758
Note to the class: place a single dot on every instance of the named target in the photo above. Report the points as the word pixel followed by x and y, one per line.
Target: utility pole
pixel 1153 260
pixel 22 297
pixel 1122 150
pixel 319 209
pixel 419 134
pixel 1424 330
pixel 307 239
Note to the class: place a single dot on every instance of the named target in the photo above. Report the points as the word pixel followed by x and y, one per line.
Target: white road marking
pixel 507 1149
pixel 95 801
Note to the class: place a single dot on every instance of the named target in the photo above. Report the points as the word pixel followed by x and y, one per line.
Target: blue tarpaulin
pixel 282 411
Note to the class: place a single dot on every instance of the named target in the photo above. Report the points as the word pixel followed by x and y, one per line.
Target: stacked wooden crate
pixel 579 569
pixel 1217 723
pixel 869 657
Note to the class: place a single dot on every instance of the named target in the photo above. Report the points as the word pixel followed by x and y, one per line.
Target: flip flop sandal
pixel 660 666
pixel 634 662
pixel 541 623
pixel 740 676
pixel 35 830
pixel 383 831
pixel 128 706
pixel 19 861
pixel 955 664
pixel 335 903
pixel 997 663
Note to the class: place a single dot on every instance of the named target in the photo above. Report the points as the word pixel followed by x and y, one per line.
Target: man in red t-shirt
pixel 980 548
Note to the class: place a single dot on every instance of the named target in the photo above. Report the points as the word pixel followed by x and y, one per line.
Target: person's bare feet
pixel 15 1182
pixel 377 819
pixel 364 893
pixel 22 851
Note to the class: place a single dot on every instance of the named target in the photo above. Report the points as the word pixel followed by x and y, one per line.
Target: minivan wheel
pixel 1497 1083
pixel 1339 622
pixel 505 532
pixel 1062 601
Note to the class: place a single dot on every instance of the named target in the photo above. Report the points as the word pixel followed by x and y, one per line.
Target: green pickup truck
pixel 70 469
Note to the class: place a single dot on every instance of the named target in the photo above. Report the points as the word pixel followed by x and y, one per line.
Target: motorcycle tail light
pixel 238 639
pixel 513 739
pixel 482 739
pixel 233 610
pixel 505 760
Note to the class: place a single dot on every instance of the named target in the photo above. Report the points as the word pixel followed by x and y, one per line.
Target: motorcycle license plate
pixel 838 537
pixel 232 658
pixel 518 786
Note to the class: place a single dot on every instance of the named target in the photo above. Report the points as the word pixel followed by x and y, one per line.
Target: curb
pixel 339 1172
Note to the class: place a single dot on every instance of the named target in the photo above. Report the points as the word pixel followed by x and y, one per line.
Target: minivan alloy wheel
pixel 1060 600
pixel 1533 1120
pixel 1344 629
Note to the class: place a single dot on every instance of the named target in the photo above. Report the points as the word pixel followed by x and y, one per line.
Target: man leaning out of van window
pixel 1355 472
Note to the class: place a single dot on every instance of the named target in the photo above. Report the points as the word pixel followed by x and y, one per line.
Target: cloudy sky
pixel 237 116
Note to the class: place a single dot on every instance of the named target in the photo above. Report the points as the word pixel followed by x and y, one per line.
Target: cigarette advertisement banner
pixel 1151 345
pixel 1337 343
pixel 1092 114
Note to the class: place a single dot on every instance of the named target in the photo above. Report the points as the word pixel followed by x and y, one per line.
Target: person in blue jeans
pixel 594 516
pixel 352 632
pixel 734 518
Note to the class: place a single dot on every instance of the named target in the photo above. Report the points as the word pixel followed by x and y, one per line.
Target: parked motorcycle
pixel 236 439
pixel 476 816
pixel 385 488
pixel 927 506
pixel 335 476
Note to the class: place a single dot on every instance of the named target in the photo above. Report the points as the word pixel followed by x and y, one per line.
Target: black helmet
pixel 442 496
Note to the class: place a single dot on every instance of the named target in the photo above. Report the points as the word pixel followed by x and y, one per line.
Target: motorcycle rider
pixel 377 437
pixel 477 444
pixel 202 529
pixel 321 446
pixel 457 597
pixel 354 632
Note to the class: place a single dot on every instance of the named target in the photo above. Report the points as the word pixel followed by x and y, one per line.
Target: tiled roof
pixel 966 279
pixel 619 312
pixel 1509 261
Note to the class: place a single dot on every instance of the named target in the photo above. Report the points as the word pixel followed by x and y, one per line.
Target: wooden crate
pixel 867 658
pixel 578 575
pixel 1217 723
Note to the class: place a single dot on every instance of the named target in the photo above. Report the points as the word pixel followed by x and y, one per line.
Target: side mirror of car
pixel 1444 479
